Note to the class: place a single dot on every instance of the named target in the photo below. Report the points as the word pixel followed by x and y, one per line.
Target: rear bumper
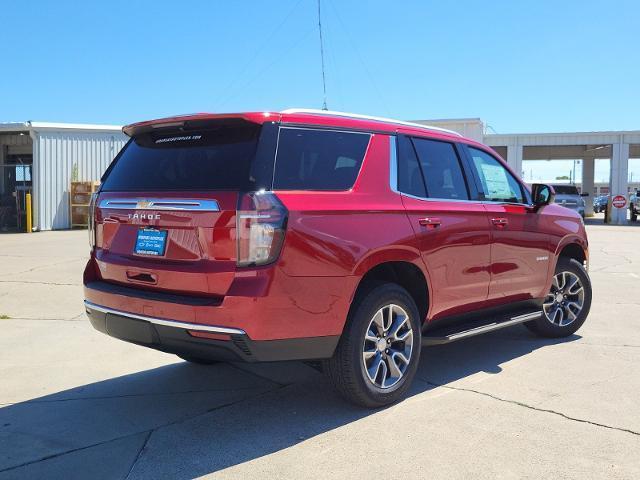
pixel 204 341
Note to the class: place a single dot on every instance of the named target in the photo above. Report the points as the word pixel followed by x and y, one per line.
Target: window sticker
pixel 496 181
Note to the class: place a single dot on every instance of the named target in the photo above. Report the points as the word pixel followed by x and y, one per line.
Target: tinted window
pixel 318 159
pixel 215 159
pixel 496 182
pixel 441 169
pixel 410 178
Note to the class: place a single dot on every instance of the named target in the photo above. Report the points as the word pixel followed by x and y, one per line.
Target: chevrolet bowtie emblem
pixel 143 204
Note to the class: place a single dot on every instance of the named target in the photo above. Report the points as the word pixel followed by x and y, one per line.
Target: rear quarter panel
pixel 349 232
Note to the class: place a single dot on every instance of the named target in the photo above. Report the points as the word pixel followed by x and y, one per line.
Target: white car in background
pixel 568 196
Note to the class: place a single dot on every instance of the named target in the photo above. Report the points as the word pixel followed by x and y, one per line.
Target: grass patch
pixel 4 317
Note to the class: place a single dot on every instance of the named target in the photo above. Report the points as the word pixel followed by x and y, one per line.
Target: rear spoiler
pixel 199 120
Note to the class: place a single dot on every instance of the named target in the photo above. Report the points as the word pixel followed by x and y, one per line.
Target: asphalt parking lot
pixel 77 404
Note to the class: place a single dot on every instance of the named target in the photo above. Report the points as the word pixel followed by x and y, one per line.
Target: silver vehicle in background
pixel 568 196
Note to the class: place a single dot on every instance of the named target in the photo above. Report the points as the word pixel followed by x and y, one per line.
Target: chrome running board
pixel 458 332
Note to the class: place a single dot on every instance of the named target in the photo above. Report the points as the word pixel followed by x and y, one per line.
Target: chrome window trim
pixel 393 182
pixel 320 128
pixel 164 322
pixel 393 163
pixel 141 203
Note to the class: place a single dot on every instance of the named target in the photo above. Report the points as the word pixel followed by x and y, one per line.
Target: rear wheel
pixel 377 356
pixel 198 360
pixel 567 304
pixel 634 213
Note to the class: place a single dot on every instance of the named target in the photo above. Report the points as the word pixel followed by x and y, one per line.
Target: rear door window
pixel 496 182
pixel 312 159
pixel 220 158
pixel 441 169
pixel 410 179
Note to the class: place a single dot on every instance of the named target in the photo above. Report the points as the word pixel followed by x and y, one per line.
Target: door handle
pixel 431 222
pixel 500 222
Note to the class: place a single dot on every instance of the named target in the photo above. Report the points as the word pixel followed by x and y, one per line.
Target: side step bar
pixel 458 332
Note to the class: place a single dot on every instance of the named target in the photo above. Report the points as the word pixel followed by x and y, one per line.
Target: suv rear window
pixel 310 159
pixel 218 158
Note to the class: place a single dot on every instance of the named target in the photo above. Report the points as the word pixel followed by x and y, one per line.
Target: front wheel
pixel 568 302
pixel 378 353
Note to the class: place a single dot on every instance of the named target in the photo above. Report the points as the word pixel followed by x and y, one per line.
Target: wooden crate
pixel 79 198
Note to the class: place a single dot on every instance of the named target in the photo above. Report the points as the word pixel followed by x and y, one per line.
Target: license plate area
pixel 150 241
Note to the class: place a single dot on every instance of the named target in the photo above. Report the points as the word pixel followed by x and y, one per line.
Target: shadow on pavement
pixel 184 421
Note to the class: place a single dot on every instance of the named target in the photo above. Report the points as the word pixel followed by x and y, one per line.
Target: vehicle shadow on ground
pixel 183 421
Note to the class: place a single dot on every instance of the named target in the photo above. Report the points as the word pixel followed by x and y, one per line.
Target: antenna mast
pixel 324 83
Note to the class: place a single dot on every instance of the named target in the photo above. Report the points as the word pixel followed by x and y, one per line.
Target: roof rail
pixel 332 113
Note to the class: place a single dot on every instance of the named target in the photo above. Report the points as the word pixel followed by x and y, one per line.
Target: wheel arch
pixel 575 248
pixel 404 268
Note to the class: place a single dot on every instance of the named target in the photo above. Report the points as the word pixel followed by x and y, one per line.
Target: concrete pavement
pixel 78 404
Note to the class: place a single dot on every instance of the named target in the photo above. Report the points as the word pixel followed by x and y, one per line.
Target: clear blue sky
pixel 520 66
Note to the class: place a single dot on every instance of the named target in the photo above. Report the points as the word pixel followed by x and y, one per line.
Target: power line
pixel 228 93
pixel 324 83
pixel 361 59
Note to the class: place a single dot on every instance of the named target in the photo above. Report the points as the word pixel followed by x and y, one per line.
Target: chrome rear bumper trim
pixel 167 323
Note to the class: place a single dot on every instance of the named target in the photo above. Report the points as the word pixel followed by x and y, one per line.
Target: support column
pixel 514 158
pixel 619 180
pixel 588 185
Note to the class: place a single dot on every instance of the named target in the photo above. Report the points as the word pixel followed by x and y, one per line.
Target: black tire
pixel 543 326
pixel 197 360
pixel 634 214
pixel 346 369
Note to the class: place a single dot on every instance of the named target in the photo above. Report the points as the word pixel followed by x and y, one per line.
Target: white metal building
pixel 43 158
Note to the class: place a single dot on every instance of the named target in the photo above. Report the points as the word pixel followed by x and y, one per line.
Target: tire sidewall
pixel 575 267
pixel 377 298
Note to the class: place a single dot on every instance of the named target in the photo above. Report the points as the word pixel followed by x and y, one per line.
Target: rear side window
pixel 310 159
pixel 498 185
pixel 410 179
pixel 220 158
pixel 441 169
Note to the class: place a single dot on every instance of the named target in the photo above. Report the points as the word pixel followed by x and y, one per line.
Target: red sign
pixel 619 201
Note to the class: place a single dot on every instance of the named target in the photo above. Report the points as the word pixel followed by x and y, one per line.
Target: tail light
pixel 261 222
pixel 91 221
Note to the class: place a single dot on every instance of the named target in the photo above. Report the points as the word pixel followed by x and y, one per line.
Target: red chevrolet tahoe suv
pixel 313 235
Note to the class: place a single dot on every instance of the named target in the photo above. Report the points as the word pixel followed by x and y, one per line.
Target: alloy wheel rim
pixel 565 300
pixel 387 346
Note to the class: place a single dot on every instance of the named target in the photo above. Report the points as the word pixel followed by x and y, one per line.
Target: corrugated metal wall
pixel 54 155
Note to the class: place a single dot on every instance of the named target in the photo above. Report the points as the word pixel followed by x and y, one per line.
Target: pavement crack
pixel 531 407
pixel 42 283
pixel 140 452
pixel 38 267
pixel 35 319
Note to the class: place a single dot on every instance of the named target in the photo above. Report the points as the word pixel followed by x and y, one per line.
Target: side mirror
pixel 584 194
pixel 542 194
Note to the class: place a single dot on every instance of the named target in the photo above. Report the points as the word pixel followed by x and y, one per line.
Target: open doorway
pixel 15 182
